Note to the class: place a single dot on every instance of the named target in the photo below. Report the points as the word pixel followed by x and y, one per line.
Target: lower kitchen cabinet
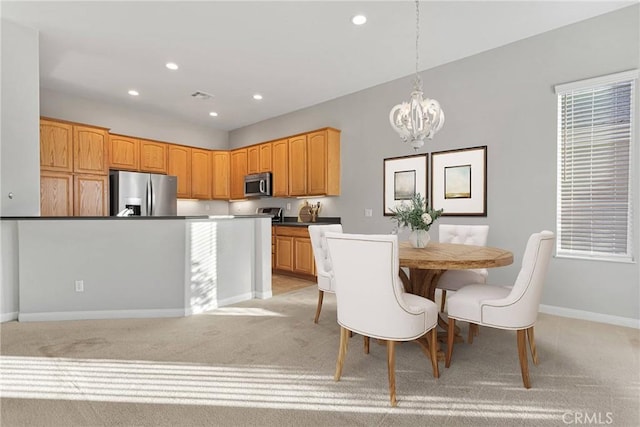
pixel 56 194
pixel 293 252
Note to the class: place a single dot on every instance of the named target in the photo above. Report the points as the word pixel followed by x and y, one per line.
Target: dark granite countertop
pixel 292 221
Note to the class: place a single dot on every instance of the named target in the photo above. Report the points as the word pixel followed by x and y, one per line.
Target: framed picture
pixel 403 178
pixel 459 181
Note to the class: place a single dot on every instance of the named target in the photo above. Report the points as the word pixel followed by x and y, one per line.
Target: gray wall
pixel 19 144
pixel 504 99
pixel 133 120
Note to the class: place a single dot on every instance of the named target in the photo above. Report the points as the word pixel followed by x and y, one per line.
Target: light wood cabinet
pixel 253 159
pixel 124 153
pixel 56 146
pixel 221 165
pixel 280 168
pixel 298 165
pixel 293 252
pixel 56 194
pixel 238 171
pixel 323 162
pixel 180 165
pixel 265 157
pixel 90 150
pixel 201 180
pixel 90 195
pixel 153 156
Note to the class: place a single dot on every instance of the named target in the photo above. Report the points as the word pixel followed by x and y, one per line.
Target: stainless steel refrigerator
pixel 142 194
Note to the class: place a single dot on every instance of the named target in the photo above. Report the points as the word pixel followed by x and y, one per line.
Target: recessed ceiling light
pixel 172 65
pixel 257 96
pixel 359 19
pixel 133 92
pixel 213 114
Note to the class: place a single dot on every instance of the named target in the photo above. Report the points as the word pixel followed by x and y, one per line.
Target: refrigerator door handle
pixel 149 198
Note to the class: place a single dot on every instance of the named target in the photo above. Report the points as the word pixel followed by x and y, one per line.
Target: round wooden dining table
pixel 426 265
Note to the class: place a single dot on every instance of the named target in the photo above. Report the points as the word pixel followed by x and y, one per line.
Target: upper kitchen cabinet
pixel 265 157
pixel 280 168
pixel 201 174
pixel 153 156
pixel 221 165
pixel 238 172
pixel 124 153
pixel 56 146
pixel 323 163
pixel 253 159
pixel 180 165
pixel 298 165
pixel 90 150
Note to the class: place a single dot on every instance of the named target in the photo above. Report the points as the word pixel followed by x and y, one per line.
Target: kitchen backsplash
pixel 327 205
pixel 202 207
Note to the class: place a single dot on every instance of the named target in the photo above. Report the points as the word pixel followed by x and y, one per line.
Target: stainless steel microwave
pixel 257 185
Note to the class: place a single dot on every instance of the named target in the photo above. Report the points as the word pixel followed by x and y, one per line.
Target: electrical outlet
pixel 368 212
pixel 79 285
pixel 288 206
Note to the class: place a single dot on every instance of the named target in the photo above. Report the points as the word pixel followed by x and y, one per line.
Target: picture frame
pixel 403 177
pixel 459 181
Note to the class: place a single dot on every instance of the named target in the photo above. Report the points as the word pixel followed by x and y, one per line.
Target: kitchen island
pixel 114 267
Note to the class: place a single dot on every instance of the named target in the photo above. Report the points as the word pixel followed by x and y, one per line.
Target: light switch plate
pixel 368 212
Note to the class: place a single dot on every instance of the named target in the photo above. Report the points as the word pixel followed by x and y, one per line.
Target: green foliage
pixel 416 215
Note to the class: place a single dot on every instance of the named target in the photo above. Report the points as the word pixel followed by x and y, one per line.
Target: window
pixel 595 132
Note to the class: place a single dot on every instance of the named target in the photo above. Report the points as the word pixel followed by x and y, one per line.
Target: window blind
pixel 594 169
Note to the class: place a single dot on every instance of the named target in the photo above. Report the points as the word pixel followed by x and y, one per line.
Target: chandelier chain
pixel 418 81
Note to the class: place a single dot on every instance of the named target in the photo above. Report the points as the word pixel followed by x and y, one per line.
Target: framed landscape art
pixel 459 181
pixel 403 178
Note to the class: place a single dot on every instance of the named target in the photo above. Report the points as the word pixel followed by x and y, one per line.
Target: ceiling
pixel 295 53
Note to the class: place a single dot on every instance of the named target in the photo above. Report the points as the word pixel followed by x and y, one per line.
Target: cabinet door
pixel 221 165
pixel 90 195
pixel 56 146
pixel 265 157
pixel 56 194
pixel 317 163
pixel 90 149
pixel 280 170
pixel 298 166
pixel 303 256
pixel 284 253
pixel 124 153
pixel 253 159
pixel 153 157
pixel 238 171
pixel 180 166
pixel 201 174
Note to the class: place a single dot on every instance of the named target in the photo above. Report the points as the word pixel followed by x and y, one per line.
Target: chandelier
pixel 419 118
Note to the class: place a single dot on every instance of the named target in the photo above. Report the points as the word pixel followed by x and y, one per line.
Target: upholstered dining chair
pixel 452 280
pixel 512 308
pixel 323 264
pixel 371 300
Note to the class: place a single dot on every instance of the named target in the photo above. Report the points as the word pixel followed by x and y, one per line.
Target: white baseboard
pixel 263 295
pixel 588 315
pixel 235 299
pixel 100 314
pixel 8 317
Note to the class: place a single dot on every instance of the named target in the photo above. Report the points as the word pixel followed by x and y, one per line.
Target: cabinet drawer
pixel 292 231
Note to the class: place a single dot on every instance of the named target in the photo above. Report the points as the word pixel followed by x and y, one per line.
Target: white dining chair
pixel 512 308
pixel 371 300
pixel 323 264
pixel 452 280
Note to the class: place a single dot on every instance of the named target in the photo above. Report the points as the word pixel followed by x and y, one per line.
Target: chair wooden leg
pixel 522 355
pixel 442 300
pixel 391 362
pixel 474 331
pixel 366 345
pixel 532 345
pixel 344 340
pixel 451 329
pixel 350 334
pixel 320 298
pixel 433 351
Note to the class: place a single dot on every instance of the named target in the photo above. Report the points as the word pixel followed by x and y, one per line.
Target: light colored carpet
pixel 265 363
